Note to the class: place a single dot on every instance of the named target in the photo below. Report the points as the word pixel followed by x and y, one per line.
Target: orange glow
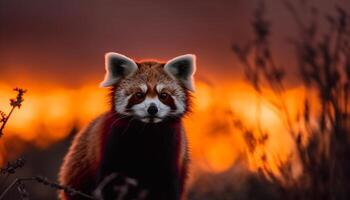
pixel 220 155
pixel 48 116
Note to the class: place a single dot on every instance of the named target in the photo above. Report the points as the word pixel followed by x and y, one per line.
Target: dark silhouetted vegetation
pixel 15 103
pixel 12 167
pixel 321 139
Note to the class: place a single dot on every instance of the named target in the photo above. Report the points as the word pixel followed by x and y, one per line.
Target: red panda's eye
pixel 139 95
pixel 163 95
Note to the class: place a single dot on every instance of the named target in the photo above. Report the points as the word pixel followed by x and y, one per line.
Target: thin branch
pixel 44 181
pixel 15 103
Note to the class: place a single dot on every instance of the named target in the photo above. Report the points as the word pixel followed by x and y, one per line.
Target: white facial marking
pixel 143 87
pixel 121 103
pixel 180 106
pixel 159 87
pixel 123 100
pixel 140 109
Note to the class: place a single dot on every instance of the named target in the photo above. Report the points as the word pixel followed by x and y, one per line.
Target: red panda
pixel 142 136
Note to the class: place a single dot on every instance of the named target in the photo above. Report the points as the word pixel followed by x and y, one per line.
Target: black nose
pixel 152 109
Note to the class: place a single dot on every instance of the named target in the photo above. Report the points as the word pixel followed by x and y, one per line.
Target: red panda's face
pixel 150 101
pixel 150 91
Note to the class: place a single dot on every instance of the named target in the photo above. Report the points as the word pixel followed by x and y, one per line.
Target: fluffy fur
pixel 142 136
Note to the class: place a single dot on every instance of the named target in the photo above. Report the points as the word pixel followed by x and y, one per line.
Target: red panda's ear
pixel 117 66
pixel 182 68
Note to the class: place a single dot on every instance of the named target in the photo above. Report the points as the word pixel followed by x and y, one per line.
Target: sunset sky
pixel 64 42
pixel 56 51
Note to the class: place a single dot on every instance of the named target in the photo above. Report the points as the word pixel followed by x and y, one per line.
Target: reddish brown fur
pixel 82 161
pixel 150 73
pixel 84 155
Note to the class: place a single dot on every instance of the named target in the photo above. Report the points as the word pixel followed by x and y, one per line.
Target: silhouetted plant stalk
pixel 15 103
pixel 12 167
pixel 322 148
pixel 121 190
pixel 19 183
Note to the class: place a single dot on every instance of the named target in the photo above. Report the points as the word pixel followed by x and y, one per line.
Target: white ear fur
pixel 183 68
pixel 117 66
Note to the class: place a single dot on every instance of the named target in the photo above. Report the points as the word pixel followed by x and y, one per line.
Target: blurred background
pixel 238 141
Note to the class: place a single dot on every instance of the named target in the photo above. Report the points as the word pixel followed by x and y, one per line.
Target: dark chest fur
pixel 148 153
